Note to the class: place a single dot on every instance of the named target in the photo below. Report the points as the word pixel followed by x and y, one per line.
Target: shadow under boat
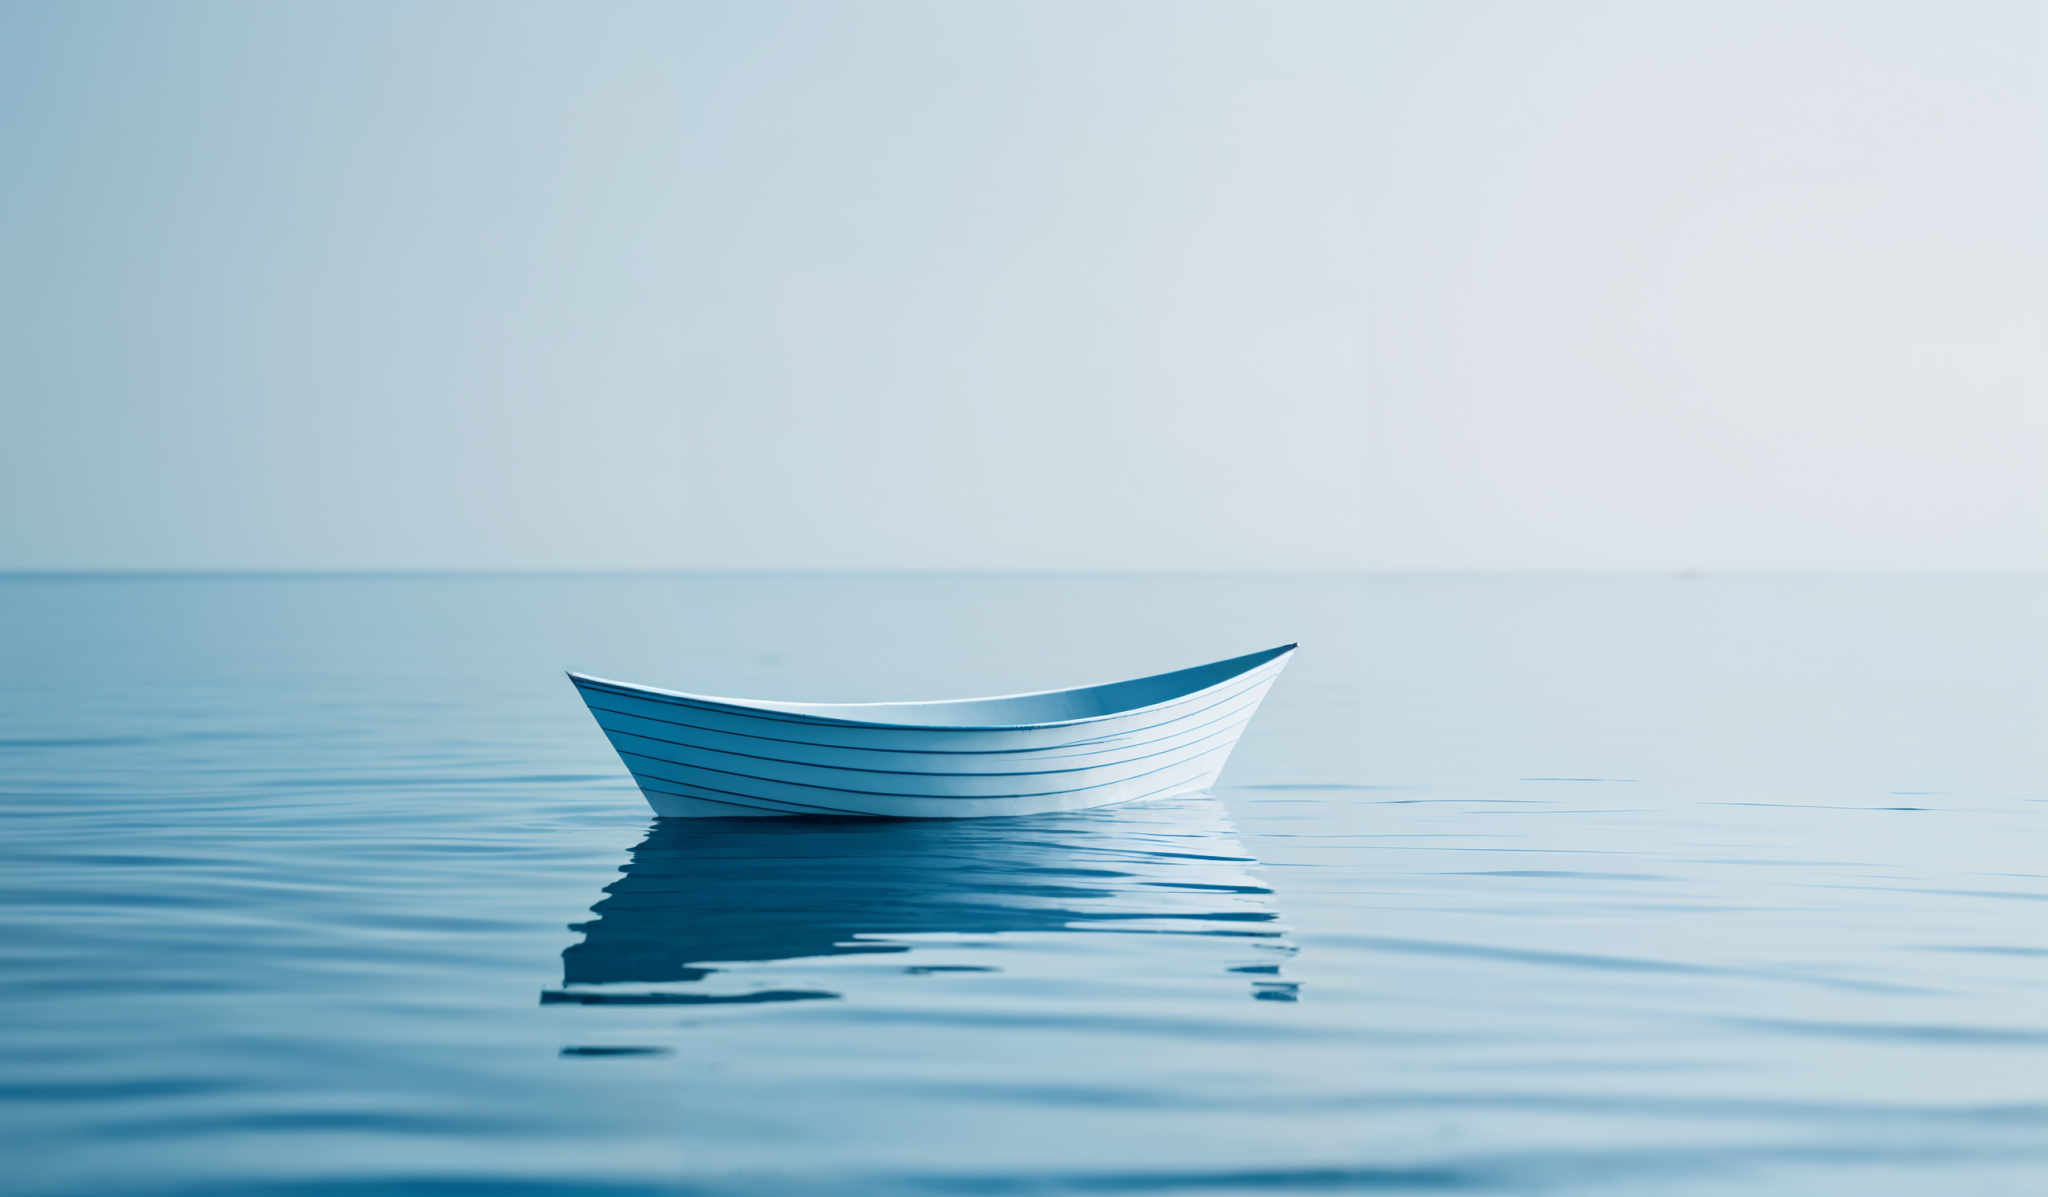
pixel 700 898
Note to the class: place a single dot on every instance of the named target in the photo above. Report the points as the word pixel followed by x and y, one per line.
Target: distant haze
pixel 1039 286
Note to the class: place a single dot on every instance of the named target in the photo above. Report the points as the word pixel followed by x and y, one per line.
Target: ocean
pixel 327 884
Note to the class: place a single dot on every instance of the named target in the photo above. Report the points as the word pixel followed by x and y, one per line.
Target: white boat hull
pixel 700 757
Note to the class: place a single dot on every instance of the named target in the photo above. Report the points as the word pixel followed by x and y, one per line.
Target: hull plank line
pixel 699 757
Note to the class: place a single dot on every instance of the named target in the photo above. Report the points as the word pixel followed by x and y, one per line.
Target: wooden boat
pixel 1019 754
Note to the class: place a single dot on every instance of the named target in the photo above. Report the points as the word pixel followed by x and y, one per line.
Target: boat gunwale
pixel 774 709
pixel 1109 743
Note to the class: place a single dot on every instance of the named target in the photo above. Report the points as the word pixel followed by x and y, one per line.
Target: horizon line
pixel 112 572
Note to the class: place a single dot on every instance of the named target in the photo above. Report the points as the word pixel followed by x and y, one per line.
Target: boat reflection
pixel 702 904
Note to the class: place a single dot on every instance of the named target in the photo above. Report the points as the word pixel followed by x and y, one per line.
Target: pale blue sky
pixel 976 285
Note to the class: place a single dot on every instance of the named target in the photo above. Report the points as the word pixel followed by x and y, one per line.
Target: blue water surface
pixel 328 885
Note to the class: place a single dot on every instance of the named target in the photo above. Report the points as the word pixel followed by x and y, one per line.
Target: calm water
pixel 1646 885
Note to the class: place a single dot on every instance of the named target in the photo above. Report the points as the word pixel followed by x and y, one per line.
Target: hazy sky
pixel 1204 286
